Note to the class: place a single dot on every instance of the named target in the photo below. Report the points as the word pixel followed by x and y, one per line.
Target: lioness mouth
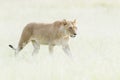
pixel 73 36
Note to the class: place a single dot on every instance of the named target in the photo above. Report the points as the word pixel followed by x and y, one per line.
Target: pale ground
pixel 96 49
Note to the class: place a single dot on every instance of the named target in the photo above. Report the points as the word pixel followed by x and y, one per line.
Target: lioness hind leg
pixel 26 34
pixel 36 46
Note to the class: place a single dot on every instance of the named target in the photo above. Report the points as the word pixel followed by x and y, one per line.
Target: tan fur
pixel 56 33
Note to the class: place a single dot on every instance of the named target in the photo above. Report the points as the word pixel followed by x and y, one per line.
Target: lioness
pixel 56 33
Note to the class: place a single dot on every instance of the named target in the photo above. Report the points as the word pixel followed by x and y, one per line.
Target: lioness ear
pixel 64 21
pixel 74 21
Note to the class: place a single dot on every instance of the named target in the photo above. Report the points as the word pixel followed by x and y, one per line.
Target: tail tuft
pixel 12 47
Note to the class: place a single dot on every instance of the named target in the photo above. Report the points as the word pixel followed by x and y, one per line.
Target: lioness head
pixel 70 27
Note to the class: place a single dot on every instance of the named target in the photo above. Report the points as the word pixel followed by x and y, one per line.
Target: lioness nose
pixel 75 34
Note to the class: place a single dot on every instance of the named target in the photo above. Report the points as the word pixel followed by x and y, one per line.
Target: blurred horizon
pixel 63 3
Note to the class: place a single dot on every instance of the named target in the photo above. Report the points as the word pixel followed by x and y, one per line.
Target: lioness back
pixel 43 32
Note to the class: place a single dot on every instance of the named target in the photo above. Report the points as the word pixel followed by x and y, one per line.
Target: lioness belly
pixel 48 40
pixel 53 42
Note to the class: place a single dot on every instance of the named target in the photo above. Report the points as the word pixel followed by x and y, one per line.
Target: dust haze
pixel 96 48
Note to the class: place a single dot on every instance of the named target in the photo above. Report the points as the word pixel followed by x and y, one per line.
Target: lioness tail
pixel 12 47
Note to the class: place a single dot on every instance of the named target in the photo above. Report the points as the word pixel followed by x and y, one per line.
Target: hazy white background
pixel 96 49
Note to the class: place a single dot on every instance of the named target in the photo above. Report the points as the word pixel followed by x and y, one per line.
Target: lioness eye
pixel 70 27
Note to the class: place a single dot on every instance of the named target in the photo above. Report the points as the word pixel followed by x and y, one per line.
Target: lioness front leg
pixel 66 49
pixel 51 48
